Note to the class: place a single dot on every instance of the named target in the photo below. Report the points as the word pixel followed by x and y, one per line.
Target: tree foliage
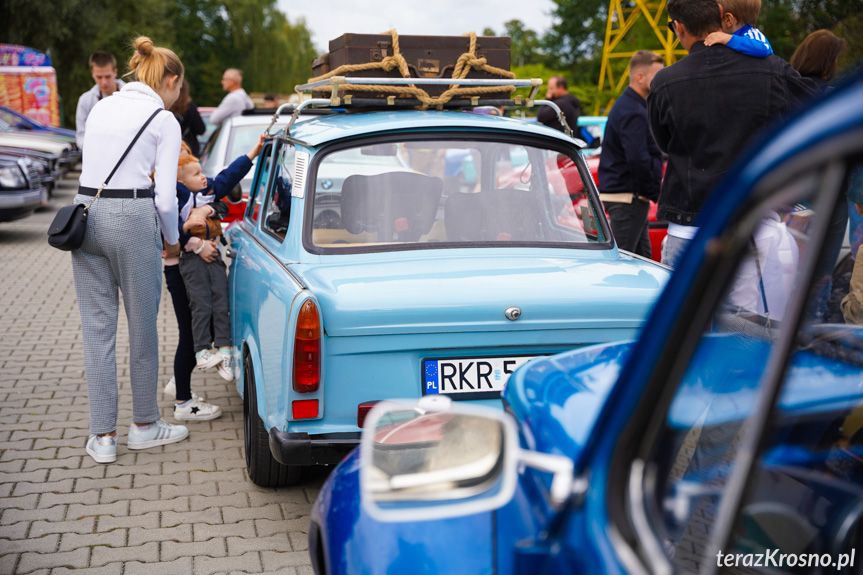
pixel 208 36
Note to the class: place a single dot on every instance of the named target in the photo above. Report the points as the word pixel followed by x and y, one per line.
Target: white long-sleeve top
pixel 232 105
pixel 112 124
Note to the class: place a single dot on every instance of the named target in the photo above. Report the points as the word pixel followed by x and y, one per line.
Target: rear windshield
pixel 404 194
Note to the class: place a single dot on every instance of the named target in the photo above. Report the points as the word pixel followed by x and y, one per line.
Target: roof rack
pixel 351 101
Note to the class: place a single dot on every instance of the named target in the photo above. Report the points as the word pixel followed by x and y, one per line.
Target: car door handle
pixel 230 253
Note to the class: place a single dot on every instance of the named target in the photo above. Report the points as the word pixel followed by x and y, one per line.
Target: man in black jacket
pixel 703 111
pixel 630 166
pixel 568 104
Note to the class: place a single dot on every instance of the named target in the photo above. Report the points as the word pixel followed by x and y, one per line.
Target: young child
pixel 738 29
pixel 207 282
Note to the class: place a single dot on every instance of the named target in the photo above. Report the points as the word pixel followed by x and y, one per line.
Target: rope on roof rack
pixel 464 64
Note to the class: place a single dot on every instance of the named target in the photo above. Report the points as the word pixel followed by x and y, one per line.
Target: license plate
pixel 470 378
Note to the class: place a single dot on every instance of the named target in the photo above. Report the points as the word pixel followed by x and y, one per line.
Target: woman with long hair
pixel 128 136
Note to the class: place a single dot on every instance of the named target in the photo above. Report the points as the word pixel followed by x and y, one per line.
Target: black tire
pixel 263 468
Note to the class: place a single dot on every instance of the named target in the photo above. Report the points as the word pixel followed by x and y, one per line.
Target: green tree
pixel 526 44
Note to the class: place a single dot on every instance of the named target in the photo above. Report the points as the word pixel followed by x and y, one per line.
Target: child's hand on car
pixel 257 149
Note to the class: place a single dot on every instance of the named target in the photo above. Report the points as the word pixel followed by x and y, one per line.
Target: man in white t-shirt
pixel 103 68
pixel 236 101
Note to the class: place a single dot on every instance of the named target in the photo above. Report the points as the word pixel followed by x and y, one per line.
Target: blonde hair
pixel 150 64
pixel 745 11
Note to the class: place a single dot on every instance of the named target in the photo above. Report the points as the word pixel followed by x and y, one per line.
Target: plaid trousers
pixel 122 249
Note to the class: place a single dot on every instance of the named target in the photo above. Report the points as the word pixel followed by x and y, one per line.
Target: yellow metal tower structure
pixel 622 17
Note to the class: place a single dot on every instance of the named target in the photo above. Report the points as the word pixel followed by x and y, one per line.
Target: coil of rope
pixel 465 63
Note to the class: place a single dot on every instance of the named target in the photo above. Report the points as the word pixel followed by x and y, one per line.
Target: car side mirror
pixel 235 196
pixel 434 460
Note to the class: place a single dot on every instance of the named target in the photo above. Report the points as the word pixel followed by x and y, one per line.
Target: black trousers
pixel 629 225
pixel 184 357
pixel 207 288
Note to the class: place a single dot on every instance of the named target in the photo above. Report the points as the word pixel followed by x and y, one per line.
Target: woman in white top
pixel 122 247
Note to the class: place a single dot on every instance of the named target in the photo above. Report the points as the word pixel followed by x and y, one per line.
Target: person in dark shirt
pixel 630 165
pixel 191 123
pixel 568 104
pixel 705 109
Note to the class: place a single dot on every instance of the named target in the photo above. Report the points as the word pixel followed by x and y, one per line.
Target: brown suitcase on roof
pixel 426 57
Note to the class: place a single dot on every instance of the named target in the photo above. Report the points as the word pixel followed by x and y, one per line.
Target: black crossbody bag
pixel 70 224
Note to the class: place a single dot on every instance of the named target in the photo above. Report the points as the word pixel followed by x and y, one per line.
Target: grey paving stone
pixel 104 555
pixel 30 562
pixel 238 545
pixel 274 560
pixel 10 516
pixel 212 548
pixel 180 533
pixel 44 544
pixel 84 525
pixel 200 502
pixel 195 488
pixel 179 478
pixel 115 538
pixel 149 493
pixel 179 504
pixel 248 562
pixel 109 569
pixel 24 502
pixel 118 508
pixel 24 488
pixel 14 531
pixel 69 498
pixel 181 566
pixel 233 514
pixel 212 515
pixel 8 562
pixel 144 521
pixel 205 532
pixel 87 484
pixel 170 467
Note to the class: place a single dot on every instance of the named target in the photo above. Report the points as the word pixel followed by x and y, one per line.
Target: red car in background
pixel 657 229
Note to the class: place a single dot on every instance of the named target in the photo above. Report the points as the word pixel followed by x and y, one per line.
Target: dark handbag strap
pixel 126 153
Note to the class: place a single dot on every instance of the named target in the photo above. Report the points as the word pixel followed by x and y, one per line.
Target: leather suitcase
pixel 426 57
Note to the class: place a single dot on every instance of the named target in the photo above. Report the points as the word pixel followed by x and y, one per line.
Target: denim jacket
pixel 705 109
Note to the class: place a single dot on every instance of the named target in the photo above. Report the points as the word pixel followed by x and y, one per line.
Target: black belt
pixel 133 194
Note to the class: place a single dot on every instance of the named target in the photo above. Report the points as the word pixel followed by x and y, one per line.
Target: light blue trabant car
pixel 407 253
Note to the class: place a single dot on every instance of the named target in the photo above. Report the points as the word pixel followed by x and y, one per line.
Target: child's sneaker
pixel 171 387
pixel 157 433
pixel 206 359
pixel 226 368
pixel 102 449
pixel 196 409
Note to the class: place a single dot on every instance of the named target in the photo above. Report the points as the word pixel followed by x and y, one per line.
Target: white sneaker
pixel 196 409
pixel 102 449
pixel 208 359
pixel 158 433
pixel 226 368
pixel 171 390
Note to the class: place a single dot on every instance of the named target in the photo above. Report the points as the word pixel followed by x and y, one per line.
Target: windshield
pixel 409 193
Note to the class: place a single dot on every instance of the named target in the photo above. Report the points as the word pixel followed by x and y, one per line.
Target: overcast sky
pixel 328 19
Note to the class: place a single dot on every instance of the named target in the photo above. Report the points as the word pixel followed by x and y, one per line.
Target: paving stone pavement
pixel 186 508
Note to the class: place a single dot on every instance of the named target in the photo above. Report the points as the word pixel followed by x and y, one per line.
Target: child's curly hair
pixel 186 159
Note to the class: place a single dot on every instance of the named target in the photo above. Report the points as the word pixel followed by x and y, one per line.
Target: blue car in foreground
pixel 411 253
pixel 728 437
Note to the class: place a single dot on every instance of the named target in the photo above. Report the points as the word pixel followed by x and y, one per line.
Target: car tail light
pixel 307 349
pixel 304 408
pixel 363 410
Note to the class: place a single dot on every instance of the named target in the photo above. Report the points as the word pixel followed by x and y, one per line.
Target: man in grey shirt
pixel 236 101
pixel 103 68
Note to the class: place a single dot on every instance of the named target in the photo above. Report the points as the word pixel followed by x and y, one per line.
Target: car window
pixel 278 203
pixel 695 453
pixel 259 186
pixel 208 148
pixel 451 192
